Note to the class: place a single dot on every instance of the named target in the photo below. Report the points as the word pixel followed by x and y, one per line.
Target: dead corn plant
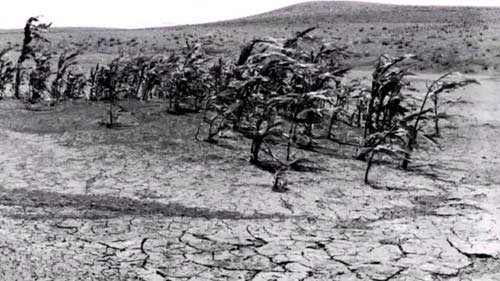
pixel 61 85
pixel 436 88
pixel 33 33
pixel 39 77
pixel 445 84
pixel 94 82
pixel 218 102
pixel 7 71
pixel 397 120
pixel 109 86
pixel 187 79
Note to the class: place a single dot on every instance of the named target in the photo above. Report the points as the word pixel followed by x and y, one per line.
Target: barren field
pixel 149 203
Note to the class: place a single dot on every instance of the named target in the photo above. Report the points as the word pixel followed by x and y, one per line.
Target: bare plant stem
pixel 369 165
pixel 436 116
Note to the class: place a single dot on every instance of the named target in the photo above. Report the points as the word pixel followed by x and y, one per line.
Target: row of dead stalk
pixel 288 91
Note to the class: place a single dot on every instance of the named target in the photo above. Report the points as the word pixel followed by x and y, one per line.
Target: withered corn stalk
pixel 32 33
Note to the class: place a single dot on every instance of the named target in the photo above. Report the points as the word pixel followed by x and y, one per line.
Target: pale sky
pixel 150 13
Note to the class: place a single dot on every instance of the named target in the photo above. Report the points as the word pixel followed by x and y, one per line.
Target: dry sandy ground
pixel 124 212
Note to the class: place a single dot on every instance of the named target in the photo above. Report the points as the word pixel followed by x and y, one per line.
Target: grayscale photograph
pixel 287 140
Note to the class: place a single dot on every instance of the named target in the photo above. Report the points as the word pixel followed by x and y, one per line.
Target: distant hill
pixel 331 12
pixel 458 38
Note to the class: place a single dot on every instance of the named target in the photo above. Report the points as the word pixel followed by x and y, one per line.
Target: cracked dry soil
pixel 75 210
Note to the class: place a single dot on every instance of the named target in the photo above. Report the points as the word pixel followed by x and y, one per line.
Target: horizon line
pixel 173 25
